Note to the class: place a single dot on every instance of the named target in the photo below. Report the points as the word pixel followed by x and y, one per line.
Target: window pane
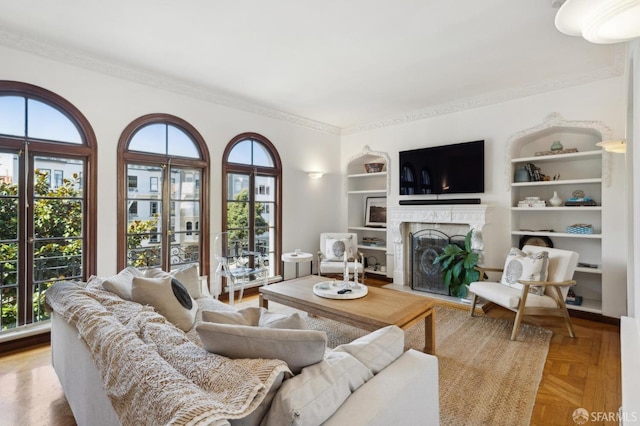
pixel 12 115
pixel 185 184
pixel 237 186
pixel 151 138
pixel 241 152
pixel 187 214
pixel 9 306
pixel 142 180
pixel 56 259
pixel 265 188
pixel 180 144
pixel 46 122
pixel 142 252
pixel 44 183
pixel 261 156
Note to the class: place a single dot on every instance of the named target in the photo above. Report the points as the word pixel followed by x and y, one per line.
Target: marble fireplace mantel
pixel 473 215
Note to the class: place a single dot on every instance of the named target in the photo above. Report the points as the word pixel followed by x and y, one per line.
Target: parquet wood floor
pixel 580 372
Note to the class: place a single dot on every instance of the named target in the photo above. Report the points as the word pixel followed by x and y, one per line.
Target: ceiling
pixel 342 66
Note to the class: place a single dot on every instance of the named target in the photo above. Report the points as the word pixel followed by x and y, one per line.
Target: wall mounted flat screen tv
pixel 447 169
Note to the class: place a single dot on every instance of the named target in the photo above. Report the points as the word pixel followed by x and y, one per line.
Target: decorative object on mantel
pixel 532 202
pixel 555 201
pixel 557 151
pixel 373 167
pixel 578 199
pixel 556 146
pixel 580 228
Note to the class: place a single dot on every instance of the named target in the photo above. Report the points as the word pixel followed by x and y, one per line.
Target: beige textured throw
pixel 153 372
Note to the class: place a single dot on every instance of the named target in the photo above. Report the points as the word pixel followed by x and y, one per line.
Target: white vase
pixel 555 201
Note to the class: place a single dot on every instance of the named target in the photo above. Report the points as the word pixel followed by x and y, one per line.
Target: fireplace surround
pixel 450 219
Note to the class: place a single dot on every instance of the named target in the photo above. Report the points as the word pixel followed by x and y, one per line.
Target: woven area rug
pixel 485 378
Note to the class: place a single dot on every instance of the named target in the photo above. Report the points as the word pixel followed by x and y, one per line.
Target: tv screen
pixel 447 169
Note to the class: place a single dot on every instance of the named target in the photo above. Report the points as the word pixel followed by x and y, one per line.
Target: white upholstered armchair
pixel 531 284
pixel 333 245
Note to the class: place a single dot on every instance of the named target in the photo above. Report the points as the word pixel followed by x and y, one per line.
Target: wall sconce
pixel 315 175
pixel 619 146
pixel 600 21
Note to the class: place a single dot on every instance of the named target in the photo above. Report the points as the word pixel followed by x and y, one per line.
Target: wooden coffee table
pixel 378 309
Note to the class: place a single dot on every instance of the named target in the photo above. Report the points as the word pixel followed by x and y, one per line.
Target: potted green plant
pixel 458 266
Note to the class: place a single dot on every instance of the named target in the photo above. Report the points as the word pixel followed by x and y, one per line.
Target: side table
pixel 297 258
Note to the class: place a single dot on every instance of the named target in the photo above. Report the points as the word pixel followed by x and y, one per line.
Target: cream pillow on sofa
pixel 120 283
pixel 298 348
pixel 377 349
pixel 311 397
pixel 168 297
pixel 188 277
pixel 257 317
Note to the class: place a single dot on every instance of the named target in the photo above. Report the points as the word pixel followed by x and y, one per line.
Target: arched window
pixel 163 169
pixel 47 199
pixel 252 195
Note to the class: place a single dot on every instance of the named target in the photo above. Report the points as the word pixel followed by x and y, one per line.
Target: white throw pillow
pixel 188 277
pixel 120 283
pixel 521 266
pixel 256 317
pixel 311 397
pixel 298 348
pixel 377 349
pixel 335 248
pixel 170 299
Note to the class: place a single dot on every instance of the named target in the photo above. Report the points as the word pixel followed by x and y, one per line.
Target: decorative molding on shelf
pixel 556 120
pixel 366 151
pixel 153 79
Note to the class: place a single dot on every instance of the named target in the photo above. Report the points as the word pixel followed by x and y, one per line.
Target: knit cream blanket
pixel 152 372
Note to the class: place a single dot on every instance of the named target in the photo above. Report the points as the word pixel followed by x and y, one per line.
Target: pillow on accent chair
pixel 298 348
pixel 169 297
pixel 188 277
pixel 256 317
pixel 336 247
pixel 120 283
pixel 522 266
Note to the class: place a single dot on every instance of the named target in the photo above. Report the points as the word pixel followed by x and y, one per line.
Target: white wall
pixel 633 157
pixel 111 103
pixel 603 101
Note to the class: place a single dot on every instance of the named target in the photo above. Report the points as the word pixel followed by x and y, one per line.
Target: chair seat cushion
pixel 509 297
pixel 338 267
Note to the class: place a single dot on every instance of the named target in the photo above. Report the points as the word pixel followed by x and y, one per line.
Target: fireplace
pixel 426 245
pixel 405 221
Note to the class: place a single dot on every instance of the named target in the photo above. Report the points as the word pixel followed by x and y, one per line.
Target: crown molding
pixel 126 72
pixel 616 69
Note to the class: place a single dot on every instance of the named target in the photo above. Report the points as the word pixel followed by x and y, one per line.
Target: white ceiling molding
pixel 617 69
pixel 83 60
pixel 155 80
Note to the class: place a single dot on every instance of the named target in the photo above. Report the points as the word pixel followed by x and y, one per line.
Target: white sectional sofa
pixel 91 371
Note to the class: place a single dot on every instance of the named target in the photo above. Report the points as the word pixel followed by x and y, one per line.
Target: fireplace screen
pixel 426 245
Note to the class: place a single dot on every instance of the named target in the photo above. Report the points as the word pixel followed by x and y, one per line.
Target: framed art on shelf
pixel 376 212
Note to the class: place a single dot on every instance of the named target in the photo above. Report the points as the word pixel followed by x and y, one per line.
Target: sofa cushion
pixel 120 283
pixel 522 266
pixel 317 392
pixel 257 317
pixel 188 277
pixel 169 297
pixel 377 349
pixel 298 348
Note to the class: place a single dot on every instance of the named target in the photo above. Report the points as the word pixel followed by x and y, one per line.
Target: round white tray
pixel 329 290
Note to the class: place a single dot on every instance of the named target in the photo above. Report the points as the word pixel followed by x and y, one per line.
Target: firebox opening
pixel 426 245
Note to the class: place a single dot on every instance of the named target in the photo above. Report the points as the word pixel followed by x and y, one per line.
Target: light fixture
pixel 600 21
pixel 315 175
pixel 617 146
